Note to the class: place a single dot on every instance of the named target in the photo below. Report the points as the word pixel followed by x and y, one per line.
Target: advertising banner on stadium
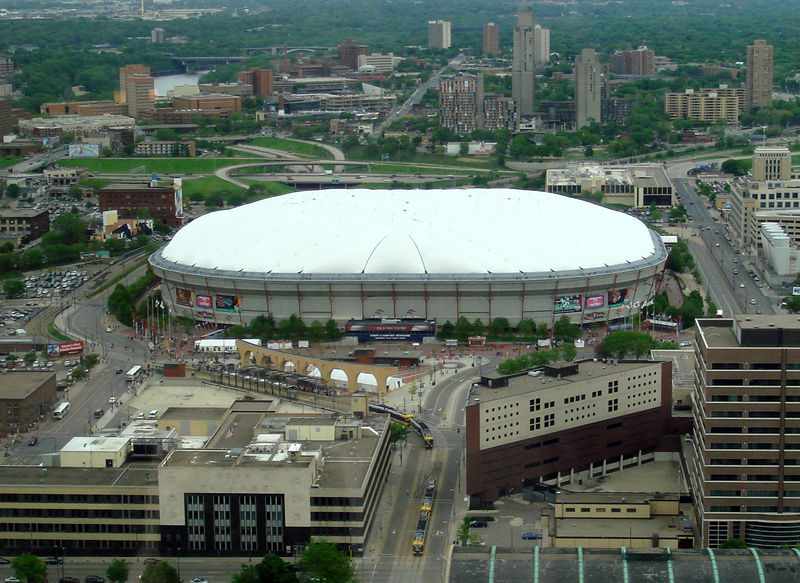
pixel 595 301
pixel 564 304
pixel 619 297
pixel 183 296
pixel 227 303
pixel 203 301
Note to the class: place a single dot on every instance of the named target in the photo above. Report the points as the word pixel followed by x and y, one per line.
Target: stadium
pixel 411 254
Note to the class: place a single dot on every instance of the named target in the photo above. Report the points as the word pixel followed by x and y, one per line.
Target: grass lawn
pixel 301 148
pixel 210 185
pixel 10 161
pixel 272 188
pixel 157 165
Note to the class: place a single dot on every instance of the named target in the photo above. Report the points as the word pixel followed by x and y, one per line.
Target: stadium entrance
pixel 391 329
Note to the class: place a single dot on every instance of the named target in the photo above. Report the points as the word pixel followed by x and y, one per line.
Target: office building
pixel 636 185
pixel 541 45
pixel 158 35
pixel 262 81
pixel 570 421
pixel 27 224
pixel 588 85
pixel 377 62
pixel 6 119
pixel 491 39
pixel 523 65
pixel 772 163
pixel 458 103
pixel 240 89
pixel 758 83
pixel 6 67
pixel 124 73
pixel 636 63
pixel 208 102
pixel 182 148
pixel 744 463
pixel 24 398
pixel 84 108
pixel 129 199
pixel 439 34
pixel 349 51
pixel 706 105
pixel 141 96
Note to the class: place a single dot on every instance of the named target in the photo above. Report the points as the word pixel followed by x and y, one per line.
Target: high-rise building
pixel 6 66
pixel 349 51
pixel 124 73
pixel 439 34
pixel 640 62
pixel 541 45
pixel 6 119
pixel 744 462
pixel 141 94
pixel 262 80
pixel 458 103
pixel 491 39
pixel 588 84
pixel 523 65
pixel 158 35
pixel 758 86
pixel 707 105
pixel 772 163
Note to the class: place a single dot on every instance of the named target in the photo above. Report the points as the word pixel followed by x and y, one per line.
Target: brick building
pixel 127 199
pixel 28 224
pixel 24 397
pixel 262 81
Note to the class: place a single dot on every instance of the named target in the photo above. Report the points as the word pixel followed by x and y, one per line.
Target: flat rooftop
pixel 610 497
pixel 138 186
pixel 130 474
pixel 21 213
pixel 195 413
pixel 663 526
pixel 97 444
pixel 346 463
pixel 18 385
pixel 751 331
pixel 523 384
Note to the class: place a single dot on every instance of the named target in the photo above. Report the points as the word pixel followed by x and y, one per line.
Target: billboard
pixel 227 303
pixel 204 315
pixel 183 296
pixel 595 316
pixel 84 150
pixel 177 187
pixel 796 290
pixel 564 304
pixel 387 329
pixel 619 297
pixel 63 349
pixel 595 301
pixel 202 301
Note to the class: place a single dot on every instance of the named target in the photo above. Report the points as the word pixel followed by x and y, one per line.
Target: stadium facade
pixel 432 254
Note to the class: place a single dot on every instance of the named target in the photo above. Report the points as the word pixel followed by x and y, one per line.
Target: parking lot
pixel 514 523
pixel 55 283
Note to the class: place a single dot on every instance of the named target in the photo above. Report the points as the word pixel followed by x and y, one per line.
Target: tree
pixel 29 358
pixel 273 569
pixel 13 288
pixel 568 351
pixel 463 148
pixel 75 192
pixel 735 167
pixel 69 229
pixel 117 571
pixel 499 326
pixel 323 562
pixel 332 331
pixel 464 536
pixel 248 574
pixel 733 543
pixel 565 330
pixel 161 572
pixel 12 190
pixel 29 568
pixel 397 431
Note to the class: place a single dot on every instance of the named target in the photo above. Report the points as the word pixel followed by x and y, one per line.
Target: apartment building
pixel 589 79
pixel 458 103
pixel 523 64
pixel 758 82
pixel 570 420
pixel 541 45
pixel 439 34
pixel 6 119
pixel 706 105
pixel 744 462
pixel 131 198
pixel 25 224
pixel 182 148
pixel 262 81
pixel 491 39
pixel 639 62
pixel 141 96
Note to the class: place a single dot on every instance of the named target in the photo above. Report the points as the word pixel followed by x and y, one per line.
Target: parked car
pixel 12 579
pixel 478 524
pixel 54 561
pixel 69 580
pixel 33 440
pixel 98 413
pixel 119 371
pixel 94 579
pixel 151 561
pixel 4 561
pixel 531 536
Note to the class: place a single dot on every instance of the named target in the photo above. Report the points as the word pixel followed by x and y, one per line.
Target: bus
pixel 60 411
pixel 133 374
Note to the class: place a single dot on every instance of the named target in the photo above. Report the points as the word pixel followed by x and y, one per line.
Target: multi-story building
pixel 24 398
pixel 491 39
pixel 573 420
pixel 744 463
pixel 84 108
pixel 74 125
pixel 557 114
pixel 141 96
pixel 27 224
pixel 158 35
pixel 637 63
pixel 182 148
pixel 6 119
pixel 497 112
pixel 541 45
pixel 523 64
pixel 615 109
pixel 588 88
pixel 220 102
pixel 782 257
pixel 63 176
pixel 758 83
pixel 262 80
pixel 637 185
pixel 458 103
pixel 243 90
pixel 772 163
pixel 124 73
pixel 6 67
pixel 706 105
pixel 129 199
pixel 439 34
pixel 349 51
pixel 377 61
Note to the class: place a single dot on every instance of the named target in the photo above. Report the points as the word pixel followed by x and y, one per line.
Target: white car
pixel 112 400
pixel 199 580
pixel 108 328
